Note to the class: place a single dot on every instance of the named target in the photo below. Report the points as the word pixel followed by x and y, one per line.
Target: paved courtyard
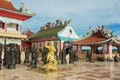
pixel 78 71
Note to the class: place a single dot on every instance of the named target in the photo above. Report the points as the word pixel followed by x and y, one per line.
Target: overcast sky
pixel 84 13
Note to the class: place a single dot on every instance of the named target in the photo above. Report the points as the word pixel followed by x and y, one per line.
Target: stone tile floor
pixel 78 71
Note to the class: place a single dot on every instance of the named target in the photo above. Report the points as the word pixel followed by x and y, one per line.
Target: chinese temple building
pixel 11 22
pixel 99 38
pixel 59 33
pixel 25 41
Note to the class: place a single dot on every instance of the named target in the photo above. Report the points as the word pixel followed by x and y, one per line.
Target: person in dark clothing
pixel 116 58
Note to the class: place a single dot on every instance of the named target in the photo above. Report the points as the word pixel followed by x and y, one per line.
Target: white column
pixel 61 42
pixel 110 50
pixel 105 49
pixel 21 28
pixel 21 47
pixel 79 48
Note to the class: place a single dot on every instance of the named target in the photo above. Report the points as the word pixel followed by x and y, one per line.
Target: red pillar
pixel 79 48
pixel 5 27
pixel 60 45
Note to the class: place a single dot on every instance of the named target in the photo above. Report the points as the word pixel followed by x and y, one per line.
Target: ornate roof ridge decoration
pixel 24 10
pixel 7 8
pixel 49 30
pixel 50 25
pixel 101 42
pixel 99 36
pixel 108 33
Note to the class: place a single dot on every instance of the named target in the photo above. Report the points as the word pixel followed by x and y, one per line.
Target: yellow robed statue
pixel 52 63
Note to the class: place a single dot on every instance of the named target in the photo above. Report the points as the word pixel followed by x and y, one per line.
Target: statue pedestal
pixel 0 63
pixel 0 66
pixel 11 66
pixel 67 58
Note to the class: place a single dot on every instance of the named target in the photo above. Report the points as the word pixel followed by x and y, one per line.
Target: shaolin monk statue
pixel 52 63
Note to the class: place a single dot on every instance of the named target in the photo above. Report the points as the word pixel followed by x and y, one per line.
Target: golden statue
pixel 52 63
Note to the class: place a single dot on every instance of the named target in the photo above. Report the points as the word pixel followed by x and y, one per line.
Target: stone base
pixel 11 66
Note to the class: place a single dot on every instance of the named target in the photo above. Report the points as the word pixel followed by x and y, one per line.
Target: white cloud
pixel 63 7
pixel 85 13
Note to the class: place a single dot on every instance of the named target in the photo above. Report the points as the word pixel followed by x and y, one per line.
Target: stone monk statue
pixel 11 58
pixel 34 57
pixel 0 56
pixel 27 54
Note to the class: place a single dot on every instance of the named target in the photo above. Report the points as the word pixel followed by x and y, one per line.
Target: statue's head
pixel 51 43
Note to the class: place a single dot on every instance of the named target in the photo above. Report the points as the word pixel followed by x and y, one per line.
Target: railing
pixel 11 33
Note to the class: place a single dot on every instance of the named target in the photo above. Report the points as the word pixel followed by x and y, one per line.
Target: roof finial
pixel 70 20
pixel 28 28
pixel 102 29
pixel 21 7
pixel 58 23
pixel 98 27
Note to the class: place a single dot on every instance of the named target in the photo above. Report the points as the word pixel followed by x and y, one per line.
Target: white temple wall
pixel 11 26
pixel 67 34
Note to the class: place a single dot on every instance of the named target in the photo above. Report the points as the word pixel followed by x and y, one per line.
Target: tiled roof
pixel 6 4
pixel 118 41
pixel 95 37
pixel 29 34
pixel 48 32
